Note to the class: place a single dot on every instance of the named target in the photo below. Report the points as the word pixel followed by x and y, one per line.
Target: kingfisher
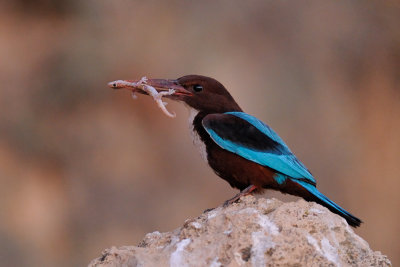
pixel 240 148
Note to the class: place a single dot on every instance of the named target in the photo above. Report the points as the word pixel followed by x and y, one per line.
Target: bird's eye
pixel 114 84
pixel 197 88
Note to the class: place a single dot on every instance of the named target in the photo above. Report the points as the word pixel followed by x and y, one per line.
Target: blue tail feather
pixel 332 206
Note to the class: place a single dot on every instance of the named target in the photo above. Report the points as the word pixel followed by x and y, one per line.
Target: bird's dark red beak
pixel 159 84
pixel 166 84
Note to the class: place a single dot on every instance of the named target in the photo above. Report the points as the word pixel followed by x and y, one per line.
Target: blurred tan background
pixel 83 168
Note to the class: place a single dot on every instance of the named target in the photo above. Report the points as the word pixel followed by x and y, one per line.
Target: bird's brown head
pixel 206 94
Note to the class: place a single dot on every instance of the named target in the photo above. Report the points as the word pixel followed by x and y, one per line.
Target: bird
pixel 239 148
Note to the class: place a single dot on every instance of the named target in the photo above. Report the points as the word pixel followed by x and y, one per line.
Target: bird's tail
pixel 332 206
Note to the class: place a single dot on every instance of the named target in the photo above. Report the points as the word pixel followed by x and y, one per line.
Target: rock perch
pixel 253 232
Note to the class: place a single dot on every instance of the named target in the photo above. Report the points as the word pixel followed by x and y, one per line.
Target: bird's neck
pixel 194 120
pixel 195 115
pixel 197 132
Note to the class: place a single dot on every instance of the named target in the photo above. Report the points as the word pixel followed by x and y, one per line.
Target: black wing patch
pixel 242 133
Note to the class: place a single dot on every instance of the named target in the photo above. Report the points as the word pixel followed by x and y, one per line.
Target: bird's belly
pixel 238 171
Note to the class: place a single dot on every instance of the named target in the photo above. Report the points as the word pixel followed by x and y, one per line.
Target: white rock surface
pixel 253 232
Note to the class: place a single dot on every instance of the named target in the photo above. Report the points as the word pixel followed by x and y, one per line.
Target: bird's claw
pixel 231 201
pixel 237 197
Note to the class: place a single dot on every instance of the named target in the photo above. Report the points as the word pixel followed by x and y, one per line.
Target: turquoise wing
pixel 250 138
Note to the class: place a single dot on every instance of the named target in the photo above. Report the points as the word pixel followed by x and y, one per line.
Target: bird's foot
pixel 242 193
